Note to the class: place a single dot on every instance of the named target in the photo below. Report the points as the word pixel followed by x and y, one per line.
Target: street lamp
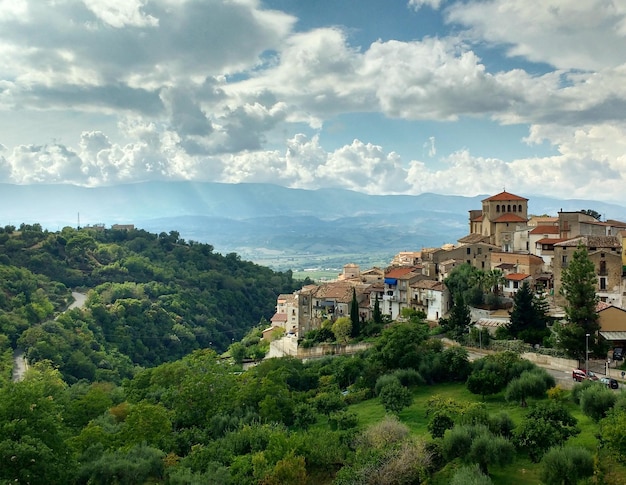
pixel 587 355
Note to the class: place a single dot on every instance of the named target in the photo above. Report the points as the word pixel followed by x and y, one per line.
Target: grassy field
pixel 522 471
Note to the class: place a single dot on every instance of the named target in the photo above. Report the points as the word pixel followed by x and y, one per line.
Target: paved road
pixel 20 365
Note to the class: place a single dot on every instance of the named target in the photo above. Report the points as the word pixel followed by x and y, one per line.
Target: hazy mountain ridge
pixel 244 217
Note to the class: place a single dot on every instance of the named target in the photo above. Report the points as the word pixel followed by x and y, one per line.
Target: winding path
pixel 20 365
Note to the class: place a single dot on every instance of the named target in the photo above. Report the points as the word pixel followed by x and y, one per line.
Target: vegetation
pixel 135 387
pixel 579 288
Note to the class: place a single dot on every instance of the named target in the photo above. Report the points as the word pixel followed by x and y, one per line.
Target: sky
pixel 377 96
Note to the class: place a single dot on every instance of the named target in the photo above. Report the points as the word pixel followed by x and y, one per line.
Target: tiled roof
pixel 284 298
pixel 429 285
pixel 398 272
pixel 478 218
pixel 602 305
pixel 508 217
pixel 506 266
pixel 592 242
pixel 473 238
pixel 279 317
pixel 615 223
pixel 488 322
pixel 545 230
pixel 551 240
pixel 517 276
pixel 503 196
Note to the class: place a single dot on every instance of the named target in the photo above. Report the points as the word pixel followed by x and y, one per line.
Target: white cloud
pixel 121 13
pixel 417 4
pixel 568 34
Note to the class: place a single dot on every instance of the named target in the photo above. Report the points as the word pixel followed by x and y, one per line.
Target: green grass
pixel 521 471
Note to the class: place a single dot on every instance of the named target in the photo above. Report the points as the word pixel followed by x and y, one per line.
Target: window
pixel 514 208
pixel 564 259
pixel 520 208
pixel 508 208
pixel 516 284
pixel 482 265
pixel 469 250
pixel 498 208
pixel 603 283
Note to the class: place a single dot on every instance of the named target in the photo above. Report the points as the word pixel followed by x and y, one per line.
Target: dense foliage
pixel 151 298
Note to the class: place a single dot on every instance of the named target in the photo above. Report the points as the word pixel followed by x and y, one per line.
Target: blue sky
pixel 377 96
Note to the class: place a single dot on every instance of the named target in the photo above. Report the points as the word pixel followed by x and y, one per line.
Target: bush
pixel 566 466
pixel 408 377
pixel 596 401
pixel 470 475
pixel 383 434
pixel 395 397
pixel 385 380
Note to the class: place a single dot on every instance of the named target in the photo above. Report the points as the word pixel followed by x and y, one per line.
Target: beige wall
pixel 612 319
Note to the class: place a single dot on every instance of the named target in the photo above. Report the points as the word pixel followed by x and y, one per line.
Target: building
pixel 499 218
pixel 431 297
pixel 606 254
pixel 397 289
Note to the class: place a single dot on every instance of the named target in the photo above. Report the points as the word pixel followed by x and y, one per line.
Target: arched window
pixel 520 208
pixel 498 208
pixel 508 209
pixel 514 208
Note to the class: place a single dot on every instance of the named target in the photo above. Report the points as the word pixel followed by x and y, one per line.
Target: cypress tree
pixel 354 316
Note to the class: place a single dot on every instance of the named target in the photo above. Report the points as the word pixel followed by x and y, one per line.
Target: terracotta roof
pixel 503 196
pixel 398 272
pixel 279 317
pixel 488 322
pixel 592 242
pixel 517 276
pixel 602 305
pixel 545 230
pixel 478 218
pixel 286 297
pixel 509 217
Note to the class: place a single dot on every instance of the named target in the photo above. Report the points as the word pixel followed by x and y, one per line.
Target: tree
pixel 528 317
pixel 355 318
pixel 546 425
pixel 467 282
pixel 593 213
pixel 579 288
pixel 377 316
pixel 342 329
pixel 457 323
pixel 613 432
pixel 533 383
pixel 566 466
pixel 494 279
pixel 596 401
pixel 395 397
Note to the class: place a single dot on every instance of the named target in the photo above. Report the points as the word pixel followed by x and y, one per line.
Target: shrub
pixel 596 401
pixel 470 475
pixel 408 377
pixel 384 380
pixel 566 466
pixel 395 397
pixel 383 434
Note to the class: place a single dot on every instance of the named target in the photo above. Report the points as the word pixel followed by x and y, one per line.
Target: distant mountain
pixel 259 221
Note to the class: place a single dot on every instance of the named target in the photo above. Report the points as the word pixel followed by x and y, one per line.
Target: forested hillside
pixel 151 298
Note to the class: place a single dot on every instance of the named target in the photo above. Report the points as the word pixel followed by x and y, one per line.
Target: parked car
pixel 580 375
pixel 610 382
pixel 618 353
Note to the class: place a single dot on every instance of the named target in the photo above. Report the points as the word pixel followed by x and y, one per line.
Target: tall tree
pixel 529 316
pixel 354 316
pixel 579 288
pixel 377 316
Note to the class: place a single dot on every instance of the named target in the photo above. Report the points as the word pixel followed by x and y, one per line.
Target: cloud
pixel 417 4
pixel 567 34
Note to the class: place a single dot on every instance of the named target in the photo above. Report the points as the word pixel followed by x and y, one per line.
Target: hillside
pixel 151 298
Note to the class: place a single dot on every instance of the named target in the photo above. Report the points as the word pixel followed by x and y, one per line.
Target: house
pixel 514 281
pixel 612 322
pixel 606 254
pixel 397 291
pixel 432 297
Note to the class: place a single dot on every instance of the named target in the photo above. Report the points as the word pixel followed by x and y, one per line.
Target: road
pixel 20 365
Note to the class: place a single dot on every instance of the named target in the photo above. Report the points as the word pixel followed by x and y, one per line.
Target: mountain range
pixel 270 224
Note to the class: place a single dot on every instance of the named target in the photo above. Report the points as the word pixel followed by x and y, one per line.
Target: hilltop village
pixel 502 237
